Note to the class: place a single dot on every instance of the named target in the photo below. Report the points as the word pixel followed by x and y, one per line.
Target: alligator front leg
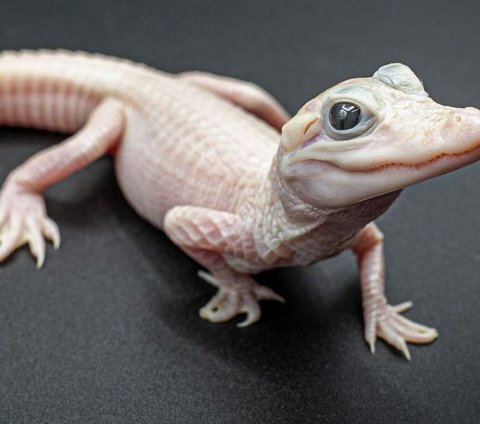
pixel 206 235
pixel 380 318
pixel 23 217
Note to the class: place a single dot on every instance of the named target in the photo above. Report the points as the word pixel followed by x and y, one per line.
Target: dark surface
pixel 108 331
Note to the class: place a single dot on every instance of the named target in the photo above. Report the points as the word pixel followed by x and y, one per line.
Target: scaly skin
pixel 198 156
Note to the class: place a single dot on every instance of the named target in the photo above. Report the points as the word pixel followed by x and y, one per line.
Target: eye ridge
pixel 344 116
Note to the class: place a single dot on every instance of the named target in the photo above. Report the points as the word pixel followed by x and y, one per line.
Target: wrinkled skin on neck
pixel 318 231
pixel 402 137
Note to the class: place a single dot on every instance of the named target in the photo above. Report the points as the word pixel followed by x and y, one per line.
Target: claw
pixel 209 278
pixel 390 335
pixel 252 309
pixel 402 307
pixel 50 229
pixel 266 293
pixel 371 343
pixel 404 349
pixel 36 241
pixel 252 317
pixel 37 249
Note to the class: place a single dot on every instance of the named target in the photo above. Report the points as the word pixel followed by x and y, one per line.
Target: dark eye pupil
pixel 344 116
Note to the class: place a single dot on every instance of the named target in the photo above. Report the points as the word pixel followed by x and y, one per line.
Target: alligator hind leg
pixel 23 217
pixel 247 95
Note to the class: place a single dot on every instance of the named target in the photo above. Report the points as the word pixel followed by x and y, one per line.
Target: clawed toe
pixel 23 221
pixel 398 330
pixel 233 299
pixel 266 293
pixel 32 232
pixel 391 336
pixel 51 232
pixel 250 307
pixel 413 332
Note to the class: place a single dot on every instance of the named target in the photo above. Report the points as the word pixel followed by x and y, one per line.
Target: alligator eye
pixel 344 116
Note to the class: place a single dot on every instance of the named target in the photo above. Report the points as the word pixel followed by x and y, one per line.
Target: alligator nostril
pixel 454 120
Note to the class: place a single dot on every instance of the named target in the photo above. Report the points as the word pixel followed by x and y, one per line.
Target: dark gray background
pixel 108 331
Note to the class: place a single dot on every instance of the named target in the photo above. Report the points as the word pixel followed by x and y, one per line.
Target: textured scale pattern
pixel 219 165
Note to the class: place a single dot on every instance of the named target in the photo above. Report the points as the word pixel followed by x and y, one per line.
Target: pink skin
pixel 198 156
pixel 22 210
pixel 392 158
pixel 248 95
pixel 381 319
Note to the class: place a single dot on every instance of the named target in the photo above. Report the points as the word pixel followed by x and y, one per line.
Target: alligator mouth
pixel 328 185
pixel 441 164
